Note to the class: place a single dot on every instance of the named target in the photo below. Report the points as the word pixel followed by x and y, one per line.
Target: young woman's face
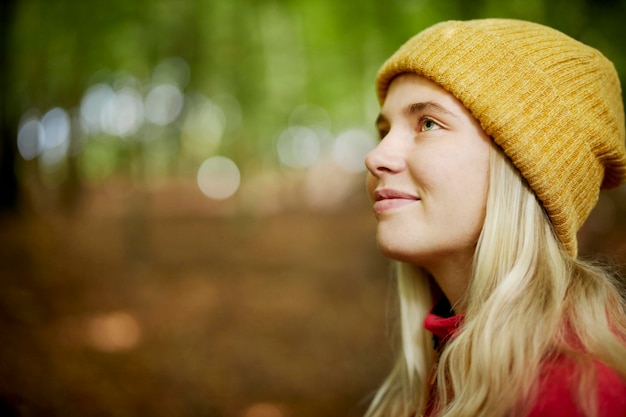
pixel 428 176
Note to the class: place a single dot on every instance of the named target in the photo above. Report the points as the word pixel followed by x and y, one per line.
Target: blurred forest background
pixel 184 229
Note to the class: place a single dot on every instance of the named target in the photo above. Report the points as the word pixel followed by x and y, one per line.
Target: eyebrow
pixel 420 107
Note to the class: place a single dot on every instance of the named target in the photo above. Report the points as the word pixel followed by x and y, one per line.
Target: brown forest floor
pixel 160 307
pixel 162 304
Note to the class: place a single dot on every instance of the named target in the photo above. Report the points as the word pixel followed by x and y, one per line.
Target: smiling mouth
pixel 385 200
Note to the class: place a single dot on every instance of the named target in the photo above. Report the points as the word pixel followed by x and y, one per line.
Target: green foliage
pixel 269 56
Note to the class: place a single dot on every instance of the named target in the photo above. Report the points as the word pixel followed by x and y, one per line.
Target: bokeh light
pixel 123 112
pixel 163 104
pixel 350 149
pixel 203 126
pixel 173 70
pixel 114 332
pixel 30 138
pixel 92 107
pixel 298 147
pixel 218 177
pixel 310 115
pixel 56 136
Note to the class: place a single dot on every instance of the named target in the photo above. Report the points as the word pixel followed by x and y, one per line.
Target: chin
pixel 397 252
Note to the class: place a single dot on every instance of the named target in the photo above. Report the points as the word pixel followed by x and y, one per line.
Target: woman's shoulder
pixel 558 392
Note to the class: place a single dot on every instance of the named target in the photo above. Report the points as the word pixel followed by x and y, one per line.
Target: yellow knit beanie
pixel 553 104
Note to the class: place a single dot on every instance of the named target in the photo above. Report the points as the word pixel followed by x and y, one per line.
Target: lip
pixel 389 199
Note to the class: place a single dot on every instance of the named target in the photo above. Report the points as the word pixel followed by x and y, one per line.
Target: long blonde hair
pixel 527 301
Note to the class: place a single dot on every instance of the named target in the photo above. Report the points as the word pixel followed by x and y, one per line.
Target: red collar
pixel 442 327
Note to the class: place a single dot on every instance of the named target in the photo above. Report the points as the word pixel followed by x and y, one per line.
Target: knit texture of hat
pixel 553 104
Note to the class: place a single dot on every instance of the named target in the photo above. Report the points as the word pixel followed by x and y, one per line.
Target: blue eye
pixel 428 125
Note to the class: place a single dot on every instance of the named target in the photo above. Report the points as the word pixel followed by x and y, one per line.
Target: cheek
pixel 470 165
pixel 460 182
pixel 436 173
pixel 472 192
pixel 478 175
pixel 473 184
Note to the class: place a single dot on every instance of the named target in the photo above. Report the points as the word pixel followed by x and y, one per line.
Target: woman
pixel 496 137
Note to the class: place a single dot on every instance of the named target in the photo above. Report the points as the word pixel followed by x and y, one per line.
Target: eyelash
pixel 420 124
pixel 423 120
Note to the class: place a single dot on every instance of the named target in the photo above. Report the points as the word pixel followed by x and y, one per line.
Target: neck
pixel 452 276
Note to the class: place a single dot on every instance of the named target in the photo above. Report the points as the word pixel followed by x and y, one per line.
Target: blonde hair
pixel 527 301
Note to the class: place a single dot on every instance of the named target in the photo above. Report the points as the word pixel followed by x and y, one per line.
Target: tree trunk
pixel 9 188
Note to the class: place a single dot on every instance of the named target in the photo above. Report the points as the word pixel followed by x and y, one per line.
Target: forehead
pixel 409 86
pixel 409 89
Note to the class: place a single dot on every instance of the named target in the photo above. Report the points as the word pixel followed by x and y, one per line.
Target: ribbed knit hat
pixel 553 104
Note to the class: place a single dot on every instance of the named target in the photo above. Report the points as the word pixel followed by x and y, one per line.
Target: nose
pixel 385 158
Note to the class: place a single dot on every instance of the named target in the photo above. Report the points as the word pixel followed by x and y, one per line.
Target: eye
pixel 428 125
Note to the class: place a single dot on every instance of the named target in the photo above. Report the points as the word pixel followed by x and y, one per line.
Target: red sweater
pixel 557 381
